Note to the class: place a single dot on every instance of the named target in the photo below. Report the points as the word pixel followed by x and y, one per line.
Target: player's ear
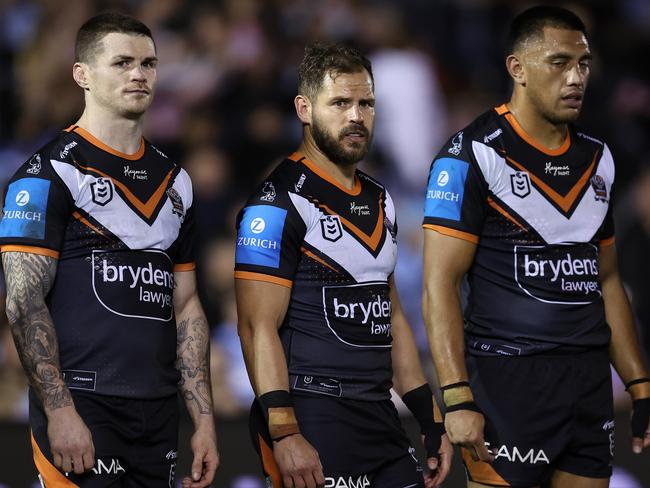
pixel 80 75
pixel 516 69
pixel 303 108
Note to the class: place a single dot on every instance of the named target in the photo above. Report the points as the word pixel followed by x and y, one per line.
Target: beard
pixel 335 149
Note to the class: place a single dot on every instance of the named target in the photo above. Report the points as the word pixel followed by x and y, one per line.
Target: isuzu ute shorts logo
pixel 520 183
pixel 102 191
pixel 331 227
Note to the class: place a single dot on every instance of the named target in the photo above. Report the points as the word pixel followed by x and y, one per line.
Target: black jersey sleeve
pixel 270 232
pixel 37 207
pixel 184 258
pixel 455 202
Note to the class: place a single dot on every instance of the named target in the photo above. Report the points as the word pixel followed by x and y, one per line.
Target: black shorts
pixel 135 442
pixel 360 444
pixel 543 413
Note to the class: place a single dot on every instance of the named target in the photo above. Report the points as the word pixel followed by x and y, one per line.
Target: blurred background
pixel 224 110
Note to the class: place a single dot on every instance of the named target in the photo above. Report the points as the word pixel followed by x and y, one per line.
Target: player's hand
pixel 298 462
pixel 465 428
pixel 71 443
pixel 640 425
pixel 439 466
pixel 206 458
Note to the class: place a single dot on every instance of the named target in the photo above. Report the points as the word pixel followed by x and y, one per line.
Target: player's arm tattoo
pixel 29 278
pixel 193 347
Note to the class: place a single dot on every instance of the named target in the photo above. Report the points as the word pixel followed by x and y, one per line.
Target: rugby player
pixel 96 240
pixel 321 325
pixel 520 202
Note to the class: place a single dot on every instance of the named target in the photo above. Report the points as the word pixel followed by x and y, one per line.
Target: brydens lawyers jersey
pixel 119 225
pixel 336 249
pixel 539 217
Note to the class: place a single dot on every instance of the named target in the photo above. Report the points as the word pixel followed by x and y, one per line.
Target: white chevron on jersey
pixel 347 251
pixel 538 212
pixel 119 218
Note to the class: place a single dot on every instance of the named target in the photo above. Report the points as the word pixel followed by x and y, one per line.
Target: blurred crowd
pixel 224 110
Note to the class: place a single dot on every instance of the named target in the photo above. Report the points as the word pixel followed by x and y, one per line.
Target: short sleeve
pixel 270 233
pixel 455 201
pixel 37 207
pixel 184 260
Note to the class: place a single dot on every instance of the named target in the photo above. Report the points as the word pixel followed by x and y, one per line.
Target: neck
pixel 343 174
pixel 119 133
pixel 550 135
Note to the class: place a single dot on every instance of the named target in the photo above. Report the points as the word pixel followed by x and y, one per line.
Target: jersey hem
pixel 448 231
pixel 41 251
pixel 248 275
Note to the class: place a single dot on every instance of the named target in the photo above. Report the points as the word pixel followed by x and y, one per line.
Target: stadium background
pixel 224 110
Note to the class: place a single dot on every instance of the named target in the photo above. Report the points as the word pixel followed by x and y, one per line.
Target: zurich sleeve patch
pixel 260 236
pixel 445 189
pixel 24 214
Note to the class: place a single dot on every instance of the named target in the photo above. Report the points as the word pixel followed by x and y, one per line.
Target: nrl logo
pixel 331 227
pixel 520 183
pixel 102 191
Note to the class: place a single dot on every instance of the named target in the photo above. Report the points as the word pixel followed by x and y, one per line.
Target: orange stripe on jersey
pixel 533 142
pixel 608 242
pixel 41 251
pixel 185 267
pixel 96 142
pixel 503 212
pixel 372 241
pixel 145 208
pixel 70 129
pixel 565 202
pixel 249 275
pixel 482 472
pixel 447 231
pixel 324 175
pixel 86 222
pixel 52 477
pixel 316 258
pixel 268 462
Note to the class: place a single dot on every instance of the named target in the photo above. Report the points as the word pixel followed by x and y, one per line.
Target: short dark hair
pixel 328 58
pixel 531 22
pixel 93 31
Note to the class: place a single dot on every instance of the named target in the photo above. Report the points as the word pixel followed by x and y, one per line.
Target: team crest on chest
pixel 331 227
pixel 520 183
pixel 177 202
pixel 102 191
pixel 600 190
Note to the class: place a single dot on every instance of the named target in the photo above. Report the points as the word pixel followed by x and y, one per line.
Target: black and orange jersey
pixel 119 225
pixel 336 249
pixel 538 217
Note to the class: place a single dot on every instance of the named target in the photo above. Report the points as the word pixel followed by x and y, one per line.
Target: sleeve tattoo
pixel 29 278
pixel 192 361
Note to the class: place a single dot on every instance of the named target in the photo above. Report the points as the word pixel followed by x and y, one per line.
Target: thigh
pixel 527 403
pixel 562 479
pixel 405 472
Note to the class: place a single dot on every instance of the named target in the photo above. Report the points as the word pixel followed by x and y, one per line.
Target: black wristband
pixel 274 399
pixel 640 417
pixel 454 385
pixel 464 406
pixel 420 402
pixel 636 382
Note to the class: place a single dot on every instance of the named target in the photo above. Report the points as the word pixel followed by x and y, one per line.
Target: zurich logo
pixel 22 198
pixel 443 178
pixel 258 225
